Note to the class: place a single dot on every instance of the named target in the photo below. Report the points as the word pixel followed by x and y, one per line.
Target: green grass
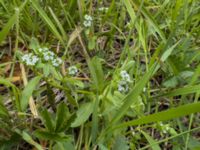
pixel 45 106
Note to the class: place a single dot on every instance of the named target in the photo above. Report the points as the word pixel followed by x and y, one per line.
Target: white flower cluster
pixel 50 56
pixel 44 54
pixel 72 70
pixel 164 128
pixel 30 59
pixel 87 21
pixel 103 9
pixel 123 85
pixel 125 76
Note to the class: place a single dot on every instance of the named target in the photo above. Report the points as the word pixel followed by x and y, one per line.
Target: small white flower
pixel 40 50
pixel 48 55
pixel 88 17
pixel 103 9
pixel 125 76
pixel 123 86
pixel 59 60
pixel 30 59
pixel 73 70
pixel 35 59
pixel 88 21
pixel 56 62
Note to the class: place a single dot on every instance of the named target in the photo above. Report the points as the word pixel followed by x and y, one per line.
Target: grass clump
pixel 99 74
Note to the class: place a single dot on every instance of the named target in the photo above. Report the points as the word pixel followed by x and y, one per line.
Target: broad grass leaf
pixel 59 24
pixel 83 114
pixel 181 91
pixel 47 20
pixel 164 115
pixel 27 92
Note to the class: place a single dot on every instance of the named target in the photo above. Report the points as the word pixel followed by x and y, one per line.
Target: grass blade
pixel 181 91
pixel 164 115
pixel 47 20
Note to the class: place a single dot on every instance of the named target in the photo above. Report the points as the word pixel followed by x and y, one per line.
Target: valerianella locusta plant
pixel 123 84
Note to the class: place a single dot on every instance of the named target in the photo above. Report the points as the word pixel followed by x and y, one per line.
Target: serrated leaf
pixel 62 115
pixel 47 120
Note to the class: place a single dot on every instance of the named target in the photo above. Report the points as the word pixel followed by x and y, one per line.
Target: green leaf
pixel 46 70
pixel 96 72
pixel 46 135
pixel 181 91
pixel 171 82
pixel 27 92
pixel 15 91
pixel 150 19
pixel 92 43
pixel 151 141
pixel 47 20
pixel 164 115
pixel 64 146
pixel 120 143
pixel 168 52
pixel 51 96
pixel 59 24
pixel 4 32
pixel 3 109
pixel 62 115
pixel 34 43
pixel 29 139
pixel 47 120
pixel 83 114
